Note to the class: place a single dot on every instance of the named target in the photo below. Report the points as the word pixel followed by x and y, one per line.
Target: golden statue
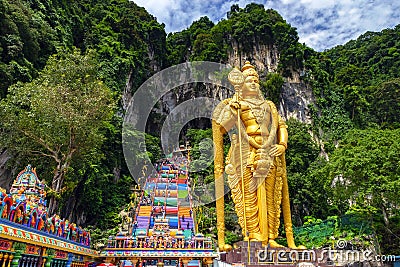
pixel 255 164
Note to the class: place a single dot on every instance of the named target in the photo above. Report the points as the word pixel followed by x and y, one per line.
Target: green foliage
pixel 153 147
pixel 99 237
pixel 123 34
pixel 206 221
pixel 195 136
pixel 233 231
pixel 389 235
pixel 133 140
pixel 304 185
pixel 351 75
pixel 373 53
pixel 272 87
pixel 356 86
pixel 26 41
pixel 365 167
pixel 202 161
pixel 363 171
pixel 101 196
pixel 385 101
pixel 362 70
pixel 59 115
pixel 330 119
pixel 302 149
pixel 178 46
pixel 354 227
pixel 201 154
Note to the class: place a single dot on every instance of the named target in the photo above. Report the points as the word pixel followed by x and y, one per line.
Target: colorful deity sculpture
pixel 27 186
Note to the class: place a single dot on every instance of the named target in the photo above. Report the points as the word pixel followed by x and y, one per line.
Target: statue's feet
pixel 293 246
pixel 298 247
pixel 225 247
pixel 274 244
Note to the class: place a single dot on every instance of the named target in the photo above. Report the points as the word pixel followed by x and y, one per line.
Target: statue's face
pixel 251 86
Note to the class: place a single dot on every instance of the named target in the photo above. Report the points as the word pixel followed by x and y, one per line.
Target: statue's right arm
pixel 220 125
pixel 222 122
pixel 225 115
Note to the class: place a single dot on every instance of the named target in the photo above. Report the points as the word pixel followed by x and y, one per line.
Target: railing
pixel 83 243
pixel 170 243
pixel 163 240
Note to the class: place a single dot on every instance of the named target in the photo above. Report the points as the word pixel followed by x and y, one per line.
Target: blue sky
pixel 321 24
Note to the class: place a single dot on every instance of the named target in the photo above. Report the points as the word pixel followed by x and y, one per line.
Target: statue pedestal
pixel 254 254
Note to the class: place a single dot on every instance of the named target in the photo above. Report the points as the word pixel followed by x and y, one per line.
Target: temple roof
pixel 28 183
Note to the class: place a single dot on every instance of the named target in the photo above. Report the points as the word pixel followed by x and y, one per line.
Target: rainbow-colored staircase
pixel 163 226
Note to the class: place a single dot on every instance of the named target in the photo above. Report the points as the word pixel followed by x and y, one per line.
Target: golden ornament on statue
pixel 235 77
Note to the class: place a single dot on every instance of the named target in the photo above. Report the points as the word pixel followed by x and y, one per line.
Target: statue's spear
pixel 236 78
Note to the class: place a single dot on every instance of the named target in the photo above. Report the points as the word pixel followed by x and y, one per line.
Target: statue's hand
pixel 277 150
pixel 234 104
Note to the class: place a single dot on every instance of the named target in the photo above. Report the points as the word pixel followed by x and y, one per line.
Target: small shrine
pixel 27 187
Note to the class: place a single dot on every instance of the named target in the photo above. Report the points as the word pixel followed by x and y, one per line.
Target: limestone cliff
pixel 294 102
pixel 6 174
pixel 295 96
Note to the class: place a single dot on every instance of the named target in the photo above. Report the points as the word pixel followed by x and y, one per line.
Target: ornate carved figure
pixel 4 214
pixel 255 164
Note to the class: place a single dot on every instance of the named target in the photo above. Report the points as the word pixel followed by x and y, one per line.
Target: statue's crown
pixel 249 70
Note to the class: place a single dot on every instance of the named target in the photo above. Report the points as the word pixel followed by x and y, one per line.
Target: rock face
pixel 6 175
pixel 264 57
pixel 295 99
pixel 295 96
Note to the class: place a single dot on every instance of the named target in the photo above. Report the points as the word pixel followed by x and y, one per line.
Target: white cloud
pixel 312 4
pixel 321 24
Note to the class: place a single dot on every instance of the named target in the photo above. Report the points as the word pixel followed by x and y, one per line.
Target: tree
pixel 305 185
pixel 26 41
pixel 272 87
pixel 59 115
pixel 385 103
pixel 364 170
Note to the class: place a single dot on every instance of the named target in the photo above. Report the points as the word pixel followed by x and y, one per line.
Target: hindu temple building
pixel 30 237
